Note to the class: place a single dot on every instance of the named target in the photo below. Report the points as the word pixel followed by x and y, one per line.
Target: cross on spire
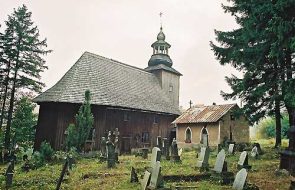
pixel 161 14
pixel 190 104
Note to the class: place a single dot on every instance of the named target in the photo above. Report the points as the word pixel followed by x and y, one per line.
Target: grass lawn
pixel 90 174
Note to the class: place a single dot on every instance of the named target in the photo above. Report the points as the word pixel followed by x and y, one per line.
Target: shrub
pixel 37 160
pixel 46 151
pixel 267 127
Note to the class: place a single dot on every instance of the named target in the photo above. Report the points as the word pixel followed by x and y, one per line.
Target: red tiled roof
pixel 204 114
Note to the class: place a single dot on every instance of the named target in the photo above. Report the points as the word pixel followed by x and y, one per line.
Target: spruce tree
pixel 24 51
pixel 24 122
pixel 79 133
pixel 258 48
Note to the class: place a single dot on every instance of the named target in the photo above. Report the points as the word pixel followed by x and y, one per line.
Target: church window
pixel 145 137
pixel 188 135
pixel 156 119
pixel 126 116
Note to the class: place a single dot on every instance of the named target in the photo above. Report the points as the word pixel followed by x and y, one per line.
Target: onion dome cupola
pixel 160 51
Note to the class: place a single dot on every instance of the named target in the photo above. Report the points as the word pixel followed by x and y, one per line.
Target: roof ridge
pixel 117 62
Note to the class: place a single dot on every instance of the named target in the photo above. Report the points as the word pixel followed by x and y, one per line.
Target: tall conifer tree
pixel 256 49
pixel 24 52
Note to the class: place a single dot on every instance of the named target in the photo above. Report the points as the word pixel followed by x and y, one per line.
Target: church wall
pixel 196 128
pixel 54 118
pixel 171 80
pixel 239 126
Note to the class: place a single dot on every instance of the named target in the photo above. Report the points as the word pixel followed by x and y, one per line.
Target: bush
pixel 37 160
pixel 46 151
pixel 267 127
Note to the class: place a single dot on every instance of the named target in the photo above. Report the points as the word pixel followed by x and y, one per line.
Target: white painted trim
pixel 188 128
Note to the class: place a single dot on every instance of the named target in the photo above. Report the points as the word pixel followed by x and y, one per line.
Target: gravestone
pixel 159 142
pixel 165 150
pixel 174 151
pixel 203 159
pixel 220 172
pixel 103 148
pixel 205 140
pixel 9 174
pixel 254 152
pixel 155 176
pixel 240 180
pixel 117 143
pixel 146 180
pixel 156 156
pixel 180 151
pixel 111 155
pixel 62 174
pixel 144 153
pixel 243 161
pixel 288 156
pixel 260 152
pixel 219 164
pixel 134 178
pixel 231 149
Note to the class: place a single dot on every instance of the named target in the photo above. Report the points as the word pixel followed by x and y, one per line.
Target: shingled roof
pixel 111 83
pixel 204 114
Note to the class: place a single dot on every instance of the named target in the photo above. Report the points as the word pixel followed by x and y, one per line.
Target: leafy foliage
pixel 24 122
pixel 266 127
pixel 46 151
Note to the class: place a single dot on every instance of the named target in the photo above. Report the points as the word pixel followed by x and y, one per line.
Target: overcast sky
pixel 125 29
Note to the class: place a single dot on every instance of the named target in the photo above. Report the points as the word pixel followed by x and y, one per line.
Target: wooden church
pixel 141 103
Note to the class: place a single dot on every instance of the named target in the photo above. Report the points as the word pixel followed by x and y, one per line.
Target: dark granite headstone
pixel 111 154
pixel 165 150
pixel 259 150
pixel 134 178
pixel 174 151
pixel 159 142
pixel 144 152
pixel 9 174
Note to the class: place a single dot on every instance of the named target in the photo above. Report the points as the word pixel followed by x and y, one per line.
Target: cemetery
pixel 153 172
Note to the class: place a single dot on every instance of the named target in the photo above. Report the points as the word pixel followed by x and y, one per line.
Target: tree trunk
pixel 278 124
pixel 10 111
pixel 5 95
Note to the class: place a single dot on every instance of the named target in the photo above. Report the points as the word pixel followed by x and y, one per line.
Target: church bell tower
pixel 160 64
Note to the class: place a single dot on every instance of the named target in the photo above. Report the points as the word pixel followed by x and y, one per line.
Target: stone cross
pixel 159 142
pixel 156 156
pixel 243 161
pixel 155 175
pixel 103 147
pixel 220 160
pixel 231 149
pixel 203 158
pixel 111 156
pixel 146 180
pixel 240 179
